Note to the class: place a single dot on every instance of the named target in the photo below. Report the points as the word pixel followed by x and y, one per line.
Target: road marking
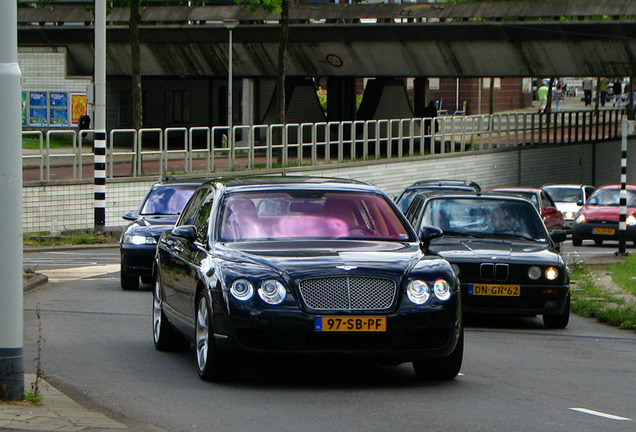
pixel 75 273
pixel 601 414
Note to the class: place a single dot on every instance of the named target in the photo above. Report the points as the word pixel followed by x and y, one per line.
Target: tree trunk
pixel 135 58
pixel 282 60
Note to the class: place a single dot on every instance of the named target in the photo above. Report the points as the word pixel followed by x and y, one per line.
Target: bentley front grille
pixel 348 293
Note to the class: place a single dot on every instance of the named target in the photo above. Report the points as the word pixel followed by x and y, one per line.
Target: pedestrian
pixel 588 86
pixel 617 91
pixel 558 97
pixel 542 95
pixel 430 124
pixel 603 85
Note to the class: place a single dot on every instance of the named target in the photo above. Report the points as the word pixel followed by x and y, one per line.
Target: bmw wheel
pixel 442 369
pixel 164 335
pixel 212 365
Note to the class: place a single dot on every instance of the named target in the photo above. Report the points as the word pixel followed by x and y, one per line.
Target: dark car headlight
pixel 273 292
pixel 442 289
pixel 418 291
pixel 242 289
pixel 631 220
pixel 139 240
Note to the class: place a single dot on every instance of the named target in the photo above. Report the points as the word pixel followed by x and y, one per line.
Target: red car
pixel 552 218
pixel 598 219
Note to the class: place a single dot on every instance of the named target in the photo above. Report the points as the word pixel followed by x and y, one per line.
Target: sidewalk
pixel 58 412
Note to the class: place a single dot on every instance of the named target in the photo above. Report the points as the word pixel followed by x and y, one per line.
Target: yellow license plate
pixel 609 231
pixel 494 290
pixel 349 324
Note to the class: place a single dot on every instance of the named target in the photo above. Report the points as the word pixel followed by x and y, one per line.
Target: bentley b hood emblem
pixel 346 267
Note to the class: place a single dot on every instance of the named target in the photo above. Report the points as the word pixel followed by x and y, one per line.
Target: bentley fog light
pixel 631 220
pixel 442 289
pixel 139 240
pixel 242 289
pixel 551 273
pixel 272 292
pixel 418 292
pixel 534 272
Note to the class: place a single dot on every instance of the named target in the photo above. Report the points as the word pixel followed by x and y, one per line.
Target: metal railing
pixel 203 150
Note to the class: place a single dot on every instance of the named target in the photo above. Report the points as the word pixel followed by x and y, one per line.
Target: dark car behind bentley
pixel 502 252
pixel 157 212
pixel 301 266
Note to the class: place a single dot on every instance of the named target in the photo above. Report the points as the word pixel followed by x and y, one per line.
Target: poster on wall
pixel 24 109
pixel 78 107
pixel 38 104
pixel 58 113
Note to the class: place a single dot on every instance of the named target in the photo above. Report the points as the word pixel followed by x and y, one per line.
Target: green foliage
pixel 624 274
pixel 32 397
pixel 77 238
pixel 589 300
pixel 271 6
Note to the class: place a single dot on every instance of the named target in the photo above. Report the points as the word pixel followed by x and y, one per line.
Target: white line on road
pixel 600 414
pixel 57 275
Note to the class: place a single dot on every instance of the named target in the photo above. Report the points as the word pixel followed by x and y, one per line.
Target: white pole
pixel 230 24
pixel 622 216
pixel 11 302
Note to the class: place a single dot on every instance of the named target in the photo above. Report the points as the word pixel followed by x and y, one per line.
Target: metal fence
pixel 136 153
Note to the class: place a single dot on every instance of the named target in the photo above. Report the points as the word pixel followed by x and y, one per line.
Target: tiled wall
pixel 44 69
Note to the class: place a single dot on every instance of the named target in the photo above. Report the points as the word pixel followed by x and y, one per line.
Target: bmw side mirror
pixel 558 236
pixel 187 232
pixel 130 215
pixel 428 234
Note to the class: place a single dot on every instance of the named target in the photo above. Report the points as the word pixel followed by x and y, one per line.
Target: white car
pixel 569 198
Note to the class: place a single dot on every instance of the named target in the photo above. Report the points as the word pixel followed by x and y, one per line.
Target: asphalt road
pixel 97 346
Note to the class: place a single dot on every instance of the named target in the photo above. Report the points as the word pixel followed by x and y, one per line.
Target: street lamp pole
pixel 230 24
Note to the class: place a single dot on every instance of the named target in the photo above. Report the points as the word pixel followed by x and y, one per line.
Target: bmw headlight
pixel 631 220
pixel 139 240
pixel 551 273
pixel 273 292
pixel 581 219
pixel 242 289
pixel 442 290
pixel 534 272
pixel 418 292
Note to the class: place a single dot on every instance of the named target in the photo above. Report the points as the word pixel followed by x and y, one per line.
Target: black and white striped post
pixel 622 218
pixel 100 116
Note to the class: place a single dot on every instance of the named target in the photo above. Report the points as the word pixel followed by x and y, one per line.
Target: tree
pixel 282 7
pixel 135 60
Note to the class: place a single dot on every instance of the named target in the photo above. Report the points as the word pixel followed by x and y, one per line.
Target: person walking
pixel 542 95
pixel 558 97
pixel 588 86
pixel 617 91
pixel 603 85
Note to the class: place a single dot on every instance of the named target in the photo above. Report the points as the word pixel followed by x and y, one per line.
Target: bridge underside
pixel 519 39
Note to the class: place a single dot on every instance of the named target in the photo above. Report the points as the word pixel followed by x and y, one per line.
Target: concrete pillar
pixel 248 104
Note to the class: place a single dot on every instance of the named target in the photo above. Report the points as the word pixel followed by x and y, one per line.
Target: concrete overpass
pixel 503 39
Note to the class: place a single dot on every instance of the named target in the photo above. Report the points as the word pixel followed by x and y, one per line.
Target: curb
pixel 34 281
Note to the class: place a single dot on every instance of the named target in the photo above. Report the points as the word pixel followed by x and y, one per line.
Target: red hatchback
pixel 598 219
pixel 552 218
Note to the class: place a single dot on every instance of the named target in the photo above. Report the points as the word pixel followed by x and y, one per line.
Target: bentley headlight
pixel 418 291
pixel 139 240
pixel 272 292
pixel 581 219
pixel 242 289
pixel 442 290
pixel 551 273
pixel 631 220
pixel 534 272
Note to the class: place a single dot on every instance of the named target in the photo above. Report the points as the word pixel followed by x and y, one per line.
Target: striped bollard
pixel 100 181
pixel 622 217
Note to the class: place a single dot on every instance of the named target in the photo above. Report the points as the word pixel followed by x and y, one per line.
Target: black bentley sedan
pixel 157 212
pixel 304 266
pixel 502 252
